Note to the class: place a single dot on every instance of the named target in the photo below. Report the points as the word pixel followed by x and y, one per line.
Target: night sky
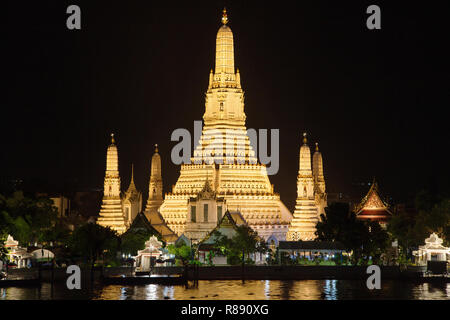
pixel 371 98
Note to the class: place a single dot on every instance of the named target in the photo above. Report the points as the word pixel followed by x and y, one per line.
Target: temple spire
pixel 305 158
pixel 224 49
pixel 111 212
pixel 317 146
pixel 132 176
pixel 155 187
pixel 112 157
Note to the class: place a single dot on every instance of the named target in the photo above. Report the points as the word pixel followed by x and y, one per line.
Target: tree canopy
pixel 245 242
pixel 29 219
pixel 432 214
pixel 182 252
pixel 366 239
pixel 92 242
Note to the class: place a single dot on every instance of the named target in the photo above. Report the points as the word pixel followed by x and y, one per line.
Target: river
pixel 236 290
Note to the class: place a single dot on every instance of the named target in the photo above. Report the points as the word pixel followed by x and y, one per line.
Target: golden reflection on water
pixel 237 290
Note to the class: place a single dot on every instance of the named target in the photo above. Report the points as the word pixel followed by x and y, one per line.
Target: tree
pixel 92 242
pixel 182 253
pixel 377 242
pixel 366 239
pixel 438 219
pixel 131 242
pixel 245 242
pixel 27 219
pixel 3 250
pixel 411 229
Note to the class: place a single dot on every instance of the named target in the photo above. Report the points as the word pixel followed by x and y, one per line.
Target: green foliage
pixel 29 220
pixel 92 242
pixel 3 250
pixel 411 229
pixel 209 258
pixel 338 259
pixel 245 242
pixel 183 253
pixel 134 241
pixel 272 259
pixel 366 240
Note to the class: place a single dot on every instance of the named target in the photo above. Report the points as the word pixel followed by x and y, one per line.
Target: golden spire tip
pixel 156 147
pixel 317 146
pixel 112 138
pixel 304 137
pixel 224 16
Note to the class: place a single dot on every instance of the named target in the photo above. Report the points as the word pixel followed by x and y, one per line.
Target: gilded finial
pixel 317 146
pixel 132 171
pixel 156 147
pixel 112 138
pixel 304 137
pixel 224 16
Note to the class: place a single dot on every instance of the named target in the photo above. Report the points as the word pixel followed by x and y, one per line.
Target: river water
pixel 237 290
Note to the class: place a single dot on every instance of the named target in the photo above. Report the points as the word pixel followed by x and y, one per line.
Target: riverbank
pixel 230 273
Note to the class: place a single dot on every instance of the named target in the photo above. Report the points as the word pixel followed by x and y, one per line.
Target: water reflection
pixel 330 291
pixel 235 290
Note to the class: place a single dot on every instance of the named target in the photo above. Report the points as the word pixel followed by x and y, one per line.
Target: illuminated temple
pixel 311 197
pixel 111 212
pixel 223 174
pixel 234 175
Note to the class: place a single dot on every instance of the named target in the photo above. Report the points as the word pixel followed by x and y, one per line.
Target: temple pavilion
pixel 373 207
pixel 433 250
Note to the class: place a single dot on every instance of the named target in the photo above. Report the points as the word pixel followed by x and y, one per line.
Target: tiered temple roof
pixel 372 206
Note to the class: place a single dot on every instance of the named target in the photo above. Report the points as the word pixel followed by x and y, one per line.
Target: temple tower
pixel 303 224
pixel 155 187
pixel 131 201
pixel 111 214
pixel 319 181
pixel 225 157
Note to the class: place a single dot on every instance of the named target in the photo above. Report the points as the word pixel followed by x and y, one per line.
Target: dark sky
pixel 370 97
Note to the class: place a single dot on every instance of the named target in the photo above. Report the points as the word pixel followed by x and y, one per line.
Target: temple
pixel 311 197
pixel 131 201
pixel 205 212
pixel 433 250
pixel 155 199
pixel 155 187
pixel 111 212
pixel 372 207
pixel 233 173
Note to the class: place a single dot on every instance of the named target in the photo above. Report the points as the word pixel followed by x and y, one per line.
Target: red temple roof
pixel 372 206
